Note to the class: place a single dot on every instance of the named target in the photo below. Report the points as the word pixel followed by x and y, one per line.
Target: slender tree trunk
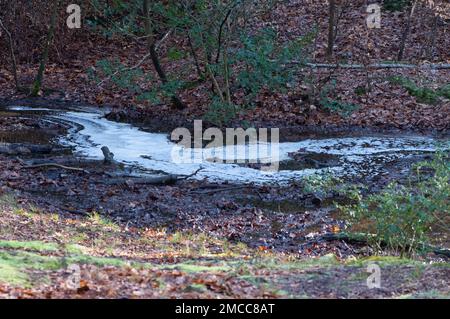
pixel 432 44
pixel 406 31
pixel 154 55
pixel 331 27
pixel 51 33
pixel 13 56
pixel 195 57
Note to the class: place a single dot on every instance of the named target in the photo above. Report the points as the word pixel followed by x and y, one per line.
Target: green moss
pixel 23 260
pixel 100 220
pixel 14 266
pixel 196 288
pixel 75 249
pixel 98 261
pixel 195 268
pixel 384 261
pixel 29 245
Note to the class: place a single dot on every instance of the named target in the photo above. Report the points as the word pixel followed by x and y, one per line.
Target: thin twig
pixel 190 175
pixel 212 191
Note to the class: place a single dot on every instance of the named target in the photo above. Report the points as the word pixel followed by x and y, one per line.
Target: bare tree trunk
pixel 154 55
pixel 51 33
pixel 331 27
pixel 13 56
pixel 432 44
pixel 406 31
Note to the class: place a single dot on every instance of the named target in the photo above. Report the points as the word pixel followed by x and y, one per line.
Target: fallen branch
pixel 363 239
pixel 157 180
pixel 433 66
pixel 218 190
pixel 148 180
pixel 54 165
pixel 191 175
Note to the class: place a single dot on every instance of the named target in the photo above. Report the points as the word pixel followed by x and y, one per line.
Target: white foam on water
pixel 27 108
pixel 154 151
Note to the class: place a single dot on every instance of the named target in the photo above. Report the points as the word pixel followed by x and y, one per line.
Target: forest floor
pixel 46 255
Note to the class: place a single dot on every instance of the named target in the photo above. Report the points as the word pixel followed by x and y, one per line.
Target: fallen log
pixel 432 66
pixel 24 149
pixel 131 180
pixel 363 239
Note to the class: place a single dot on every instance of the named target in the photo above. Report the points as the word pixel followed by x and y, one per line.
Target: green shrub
pixel 422 94
pixel 445 91
pixel 396 5
pixel 260 63
pixel 220 113
pixel 335 105
pixel 401 217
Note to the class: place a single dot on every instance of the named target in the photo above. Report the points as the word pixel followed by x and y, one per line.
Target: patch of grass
pixel 196 268
pixel 326 261
pixel 431 294
pixel 98 219
pixel 79 238
pixel 12 275
pixel 29 245
pixel 384 261
pixel 98 261
pixel 75 249
pixel 200 245
pixel 9 201
pixel 15 264
pixel 24 260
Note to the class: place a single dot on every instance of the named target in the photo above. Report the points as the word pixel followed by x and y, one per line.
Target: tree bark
pixel 13 56
pixel 154 55
pixel 51 33
pixel 432 39
pixel 406 31
pixel 331 27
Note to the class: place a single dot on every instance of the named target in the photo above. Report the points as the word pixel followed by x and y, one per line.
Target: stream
pixel 150 152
